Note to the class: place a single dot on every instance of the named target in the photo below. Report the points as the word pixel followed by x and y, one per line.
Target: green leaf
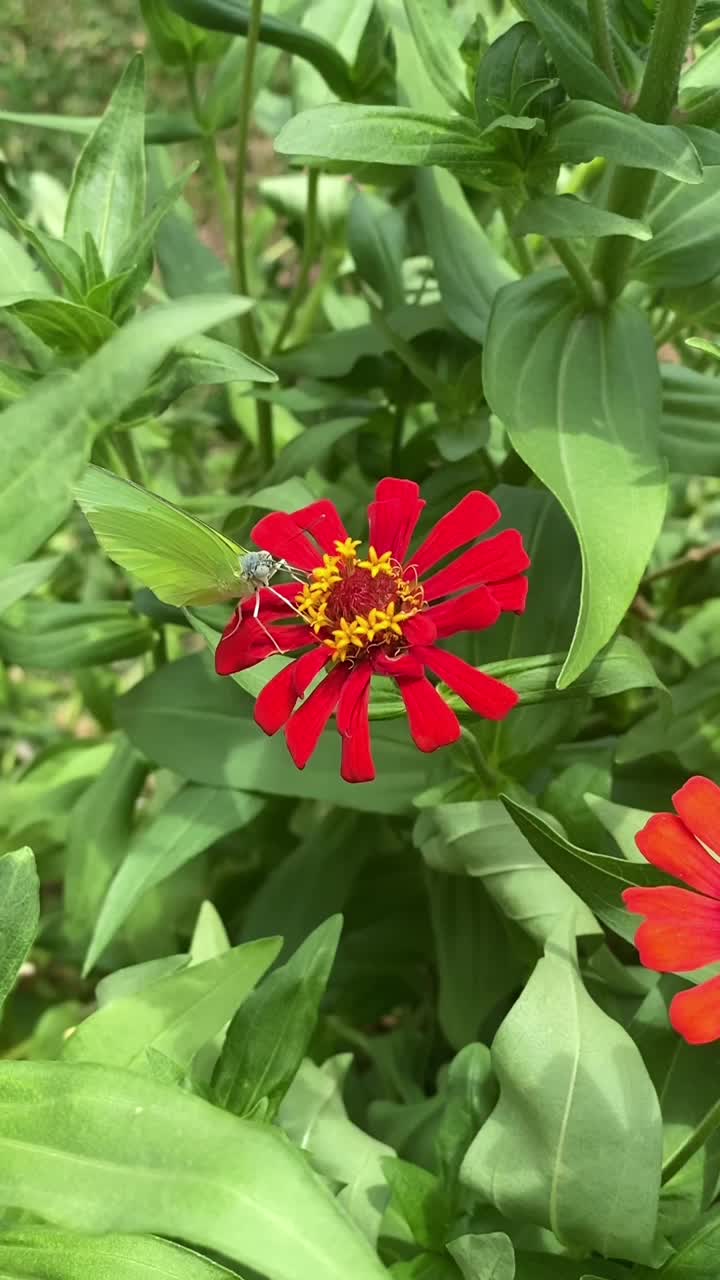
pixel 20 275
pixel 566 217
pixel 437 40
pixel 45 1254
pixel 58 636
pixel 704 344
pixel 190 822
pixel 510 74
pixel 45 438
pixel 178 42
pixel 685 236
pixel 469 1097
pixel 580 396
pixel 66 327
pixel 233 18
pixel 203 729
pixel 691 732
pixel 563 25
pixel 698 1253
pixel 596 878
pixel 175 1015
pixel 313 1115
pixel 581 131
pixel 19 914
pixel 469 270
pixel 107 196
pixel 24 578
pixel 376 238
pixel 269 1035
pixel 394 136
pixel 160 127
pixel 198 1174
pixel 417 1196
pixel 476 838
pixel 690 410
pixel 575 1142
pixel 57 256
pixel 201 361
pixel 486 1257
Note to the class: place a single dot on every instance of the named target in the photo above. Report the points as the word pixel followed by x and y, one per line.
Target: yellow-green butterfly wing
pixel 180 558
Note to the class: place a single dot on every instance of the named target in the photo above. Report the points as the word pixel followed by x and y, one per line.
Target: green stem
pixel 509 208
pixel 306 262
pixel 248 332
pixel 588 288
pixel 699 1136
pixel 630 189
pixel 221 187
pixel 601 38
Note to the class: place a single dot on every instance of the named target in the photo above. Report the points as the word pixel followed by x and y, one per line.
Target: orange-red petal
pixel 666 842
pixel 681 929
pixel 698 804
pixel 695 1014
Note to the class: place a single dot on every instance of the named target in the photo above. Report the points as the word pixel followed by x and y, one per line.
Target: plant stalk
pixel 248 332
pixel 306 262
pixel 699 1136
pixel 590 291
pixel 601 38
pixel 630 189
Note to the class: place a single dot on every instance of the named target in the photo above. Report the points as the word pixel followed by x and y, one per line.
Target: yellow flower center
pixel 354 604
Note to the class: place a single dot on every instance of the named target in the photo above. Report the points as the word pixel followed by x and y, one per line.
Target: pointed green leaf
pixel 66 327
pixel 581 131
pixel 485 1257
pixel 437 39
pixel 150 1158
pixel 567 217
pixel 579 393
pixel 107 197
pixel 563 25
pixel 685 245
pixel 21 277
pixel 45 1254
pixel 19 914
pixel 24 578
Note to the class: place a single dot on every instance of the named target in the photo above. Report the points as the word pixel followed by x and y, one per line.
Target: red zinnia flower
pixel 682 928
pixel 374 615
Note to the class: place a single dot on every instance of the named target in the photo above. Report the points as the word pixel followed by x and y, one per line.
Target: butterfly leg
pixel 238 623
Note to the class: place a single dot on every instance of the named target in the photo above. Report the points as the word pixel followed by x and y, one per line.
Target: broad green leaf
pixel 24 578
pixel 596 878
pixel 622 822
pixel 224 15
pixel 198 1174
pixel 485 1257
pixel 690 410
pixel 469 271
pixel 509 75
pixel 691 732
pixel 376 237
pixel 45 1254
pixel 58 636
pixel 99 834
pixel 65 326
pixel 579 393
pixel 20 275
pixel 685 245
pixel 59 257
pixel 469 935
pixel 313 1115
pixel 19 914
pixel 133 264
pixel 698 639
pixel 417 1196
pixel 341 26
pixel 311 448
pixel 581 131
pixel 469 1097
pixel 202 727
pixel 566 217
pixel 36 806
pixel 698 1253
pixel 175 1015
pixel 575 1141
pixel 563 25
pixel 437 40
pixel 425 1266
pixel 189 823
pixel 394 136
pixel 204 361
pixel 269 1035
pixel 187 264
pixel 45 438
pixel 477 838
pixel 107 196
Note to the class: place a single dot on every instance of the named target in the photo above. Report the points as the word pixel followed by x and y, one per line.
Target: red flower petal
pixel 473 516
pixel 511 595
pixel 354 726
pixel 275 703
pixel 470 612
pixel 698 804
pixel 393 515
pixel 322 521
pixel 484 695
pixel 401 664
pixel 270 606
pixel 433 723
pixel 695 1014
pixel 244 643
pixel 666 842
pixel 420 630
pixel 279 534
pixel 304 727
pixel 681 929
pixel 492 561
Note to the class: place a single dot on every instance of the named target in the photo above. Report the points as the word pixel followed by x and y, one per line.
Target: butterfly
pixel 182 559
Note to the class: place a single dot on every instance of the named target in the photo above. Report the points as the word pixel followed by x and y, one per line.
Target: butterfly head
pixel 259 567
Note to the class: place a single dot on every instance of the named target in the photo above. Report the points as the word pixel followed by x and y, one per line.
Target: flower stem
pixel 694 1141
pixel 601 38
pixel 630 189
pixel 306 262
pixel 248 332
pixel 590 291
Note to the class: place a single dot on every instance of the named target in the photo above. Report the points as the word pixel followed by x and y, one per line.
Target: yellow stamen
pixel 376 564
